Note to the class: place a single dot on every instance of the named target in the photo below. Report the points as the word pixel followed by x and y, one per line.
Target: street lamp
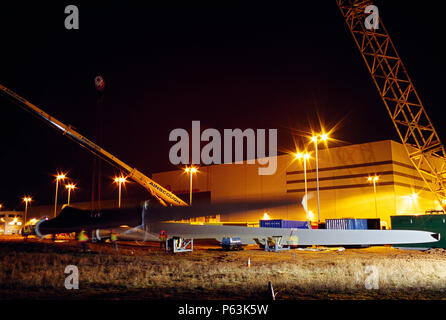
pixel 190 171
pixel 120 181
pixel 69 187
pixel 373 180
pixel 322 137
pixel 26 200
pixel 305 156
pixel 58 177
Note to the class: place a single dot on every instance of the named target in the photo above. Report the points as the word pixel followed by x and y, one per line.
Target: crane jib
pixel 95 149
pixel 165 192
pixel 84 140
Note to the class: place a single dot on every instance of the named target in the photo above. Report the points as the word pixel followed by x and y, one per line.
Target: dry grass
pixel 36 270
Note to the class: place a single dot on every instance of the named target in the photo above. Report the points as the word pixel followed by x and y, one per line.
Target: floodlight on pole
pixel 190 170
pixel 305 156
pixel 120 180
pixel 316 138
pixel 70 187
pixel 373 180
pixel 26 200
pixel 59 176
pixel 324 137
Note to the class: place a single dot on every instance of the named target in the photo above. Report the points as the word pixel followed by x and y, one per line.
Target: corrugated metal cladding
pixel 280 223
pixel 346 224
pixel 336 224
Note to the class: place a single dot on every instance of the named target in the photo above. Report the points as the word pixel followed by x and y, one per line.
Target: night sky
pixel 276 64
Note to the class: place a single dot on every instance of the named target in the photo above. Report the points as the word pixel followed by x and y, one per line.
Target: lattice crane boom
pixel 415 129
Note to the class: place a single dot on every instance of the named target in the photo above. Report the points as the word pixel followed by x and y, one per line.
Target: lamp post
pixel 190 170
pixel 120 181
pixel 305 156
pixel 316 139
pixel 69 187
pixel 58 177
pixel 26 200
pixel 373 180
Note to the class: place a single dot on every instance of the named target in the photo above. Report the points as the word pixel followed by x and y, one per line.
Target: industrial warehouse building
pixel 345 191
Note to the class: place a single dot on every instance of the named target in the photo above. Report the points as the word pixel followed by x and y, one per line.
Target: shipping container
pixel 280 223
pixel 336 224
pixel 346 224
pixel 374 224
pixel 431 222
pixel 358 224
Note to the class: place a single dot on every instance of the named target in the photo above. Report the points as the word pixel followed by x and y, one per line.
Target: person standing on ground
pixel 83 239
pixel 163 238
pixel 114 239
pixel 25 233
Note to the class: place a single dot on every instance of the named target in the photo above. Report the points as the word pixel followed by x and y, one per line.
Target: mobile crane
pixel 162 194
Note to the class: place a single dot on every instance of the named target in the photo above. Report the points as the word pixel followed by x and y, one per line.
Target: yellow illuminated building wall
pixel 344 189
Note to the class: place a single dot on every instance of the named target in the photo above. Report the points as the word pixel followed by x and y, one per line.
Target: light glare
pixel 27 199
pixel 120 180
pixel 190 169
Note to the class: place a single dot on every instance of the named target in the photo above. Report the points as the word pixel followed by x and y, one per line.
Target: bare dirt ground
pixel 35 270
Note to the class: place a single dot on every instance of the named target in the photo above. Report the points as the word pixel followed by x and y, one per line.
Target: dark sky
pixel 271 65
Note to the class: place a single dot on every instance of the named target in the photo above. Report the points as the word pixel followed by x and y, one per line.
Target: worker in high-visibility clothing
pixel 114 239
pixel 163 238
pixel 25 232
pixel 83 239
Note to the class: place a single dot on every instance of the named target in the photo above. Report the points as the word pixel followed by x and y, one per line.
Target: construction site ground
pixel 35 269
